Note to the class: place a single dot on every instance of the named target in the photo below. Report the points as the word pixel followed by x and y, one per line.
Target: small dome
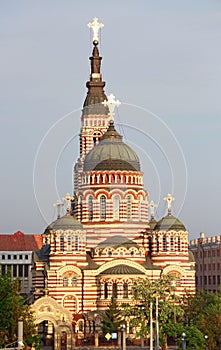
pixel 66 222
pixel 122 270
pixel 111 154
pixel 169 223
pixel 118 241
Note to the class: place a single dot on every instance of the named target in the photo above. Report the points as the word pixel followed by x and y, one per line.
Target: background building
pixel 16 255
pixel 207 252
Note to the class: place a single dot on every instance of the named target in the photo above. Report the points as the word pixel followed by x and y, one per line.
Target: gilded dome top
pixel 111 153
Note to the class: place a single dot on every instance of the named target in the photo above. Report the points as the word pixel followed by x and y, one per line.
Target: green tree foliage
pixel 204 311
pixel 145 293
pixel 112 319
pixel 12 309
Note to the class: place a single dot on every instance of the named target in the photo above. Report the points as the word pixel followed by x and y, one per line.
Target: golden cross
pixel 95 26
pixel 152 207
pixel 169 200
pixel 111 103
pixel 68 200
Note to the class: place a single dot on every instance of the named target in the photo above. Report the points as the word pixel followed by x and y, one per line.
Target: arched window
pixel 164 244
pixel 62 243
pixel 139 208
pixel 157 244
pixel 171 243
pixel 69 243
pixel 96 136
pixel 129 207
pixel 105 290
pixel 114 290
pixel 74 281
pixel 103 207
pixel 150 243
pixel 81 326
pixel 76 242
pixel 80 208
pixel 178 244
pixel 125 290
pixel 65 281
pixel 90 208
pixel 116 207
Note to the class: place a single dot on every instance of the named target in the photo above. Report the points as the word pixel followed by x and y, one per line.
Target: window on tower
pixel 76 242
pixel 139 207
pixel 164 244
pixel 80 208
pixel 90 207
pixel 129 207
pixel 114 290
pixel 69 243
pixel 125 290
pixel 178 244
pixel 157 244
pixel 96 137
pixel 116 207
pixel 105 290
pixel 172 243
pixel 103 207
pixel 62 243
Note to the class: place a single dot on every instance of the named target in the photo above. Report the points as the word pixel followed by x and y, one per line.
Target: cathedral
pixel 107 239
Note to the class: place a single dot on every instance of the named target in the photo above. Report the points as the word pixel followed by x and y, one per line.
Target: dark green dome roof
pixel 122 270
pixel 66 222
pixel 111 154
pixel 118 241
pixel 168 223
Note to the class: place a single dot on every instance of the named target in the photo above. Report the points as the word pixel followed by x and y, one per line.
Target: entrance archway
pixel 46 331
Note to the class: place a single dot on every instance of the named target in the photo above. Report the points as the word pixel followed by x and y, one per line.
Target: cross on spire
pixel 111 103
pixel 169 199
pixel 95 26
pixel 68 200
pixel 58 206
pixel 152 207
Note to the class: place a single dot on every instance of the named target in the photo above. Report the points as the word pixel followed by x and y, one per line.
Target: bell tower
pixel 95 116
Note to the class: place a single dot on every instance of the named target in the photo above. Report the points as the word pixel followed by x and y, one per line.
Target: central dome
pixel 111 154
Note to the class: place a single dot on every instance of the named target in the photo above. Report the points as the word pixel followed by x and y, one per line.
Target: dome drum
pixel 117 178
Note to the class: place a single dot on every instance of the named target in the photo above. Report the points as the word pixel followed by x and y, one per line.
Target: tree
pixel 13 307
pixel 204 311
pixel 145 293
pixel 112 318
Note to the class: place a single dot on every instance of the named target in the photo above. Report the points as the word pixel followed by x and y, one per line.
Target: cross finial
pixel 58 206
pixel 111 103
pixel 68 200
pixel 169 200
pixel 152 207
pixel 95 26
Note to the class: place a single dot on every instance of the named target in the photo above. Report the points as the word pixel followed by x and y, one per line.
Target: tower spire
pixel 95 95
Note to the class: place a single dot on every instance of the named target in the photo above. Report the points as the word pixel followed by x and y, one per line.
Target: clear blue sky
pixel 162 56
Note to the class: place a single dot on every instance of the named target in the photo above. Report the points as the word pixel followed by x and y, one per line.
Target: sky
pixel 161 59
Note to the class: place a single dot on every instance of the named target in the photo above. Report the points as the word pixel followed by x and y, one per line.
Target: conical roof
pixel 111 153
